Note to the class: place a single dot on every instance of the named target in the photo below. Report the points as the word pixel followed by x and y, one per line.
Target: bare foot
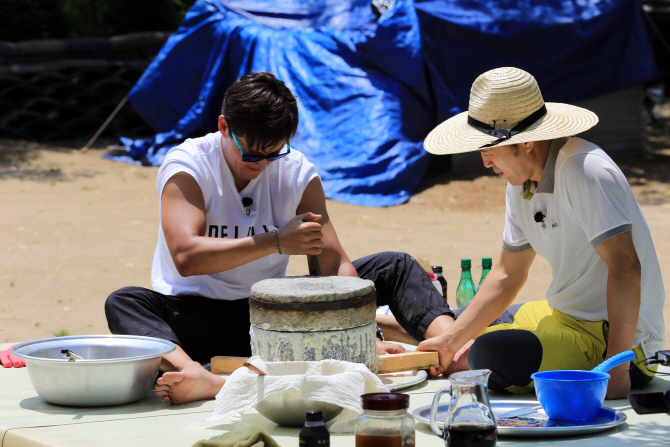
pixel 192 383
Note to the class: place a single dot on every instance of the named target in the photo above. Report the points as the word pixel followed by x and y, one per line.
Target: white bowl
pixel 288 408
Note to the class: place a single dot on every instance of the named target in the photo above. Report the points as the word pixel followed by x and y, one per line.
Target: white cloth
pixel 333 381
pixel 276 194
pixel 384 310
pixel 585 200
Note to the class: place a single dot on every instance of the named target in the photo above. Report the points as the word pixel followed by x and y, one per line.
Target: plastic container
pixel 571 395
pixel 576 395
pixel 385 421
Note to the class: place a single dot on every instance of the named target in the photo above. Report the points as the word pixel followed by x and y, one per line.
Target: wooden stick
pixel 388 363
pixel 407 361
pixel 104 125
pixel 313 265
pixel 225 364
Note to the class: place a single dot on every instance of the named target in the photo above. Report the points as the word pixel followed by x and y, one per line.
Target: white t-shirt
pixel 276 194
pixel 585 199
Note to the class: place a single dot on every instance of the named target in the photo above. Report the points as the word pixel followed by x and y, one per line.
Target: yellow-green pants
pixel 537 338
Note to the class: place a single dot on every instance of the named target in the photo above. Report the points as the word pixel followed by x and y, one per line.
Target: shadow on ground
pixel 648 173
pixel 18 160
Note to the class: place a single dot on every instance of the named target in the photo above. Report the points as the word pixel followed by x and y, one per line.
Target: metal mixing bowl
pixel 288 408
pixel 113 370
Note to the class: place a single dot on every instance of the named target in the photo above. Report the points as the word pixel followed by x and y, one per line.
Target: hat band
pixel 504 134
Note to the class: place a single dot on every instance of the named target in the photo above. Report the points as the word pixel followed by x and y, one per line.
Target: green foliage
pixel 58 19
pixel 61 333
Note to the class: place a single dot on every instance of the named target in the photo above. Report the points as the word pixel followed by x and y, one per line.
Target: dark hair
pixel 260 108
pixel 515 150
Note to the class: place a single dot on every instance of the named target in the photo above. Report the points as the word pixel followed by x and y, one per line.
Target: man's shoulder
pixel 195 146
pixel 583 158
pixel 192 156
pixel 295 156
pixel 294 161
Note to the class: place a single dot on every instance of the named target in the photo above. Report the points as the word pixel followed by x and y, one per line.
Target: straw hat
pixel 506 107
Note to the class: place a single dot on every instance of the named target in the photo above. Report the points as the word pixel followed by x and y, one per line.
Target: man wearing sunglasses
pixel 234 205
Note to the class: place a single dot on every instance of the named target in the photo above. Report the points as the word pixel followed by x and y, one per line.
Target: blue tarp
pixel 370 89
pixel 576 49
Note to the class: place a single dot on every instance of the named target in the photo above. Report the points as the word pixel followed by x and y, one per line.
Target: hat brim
pixel 456 136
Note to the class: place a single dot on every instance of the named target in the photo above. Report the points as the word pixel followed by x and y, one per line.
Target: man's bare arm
pixel 498 291
pixel 623 304
pixel 333 261
pixel 183 221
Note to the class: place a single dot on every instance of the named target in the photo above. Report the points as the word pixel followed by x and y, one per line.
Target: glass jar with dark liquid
pixel 469 421
pixel 385 421
pixel 470 436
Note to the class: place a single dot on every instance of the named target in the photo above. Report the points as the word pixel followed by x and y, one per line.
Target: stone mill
pixel 309 318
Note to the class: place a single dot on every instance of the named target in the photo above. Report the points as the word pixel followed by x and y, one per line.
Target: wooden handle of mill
pixel 224 364
pixel 313 265
pixel 407 361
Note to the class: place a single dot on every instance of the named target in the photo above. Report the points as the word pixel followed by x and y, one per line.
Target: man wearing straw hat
pixel 568 202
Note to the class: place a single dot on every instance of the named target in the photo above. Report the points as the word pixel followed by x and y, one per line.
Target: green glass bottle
pixel 466 288
pixel 486 268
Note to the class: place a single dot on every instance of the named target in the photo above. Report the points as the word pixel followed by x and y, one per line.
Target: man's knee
pixel 385 266
pixel 397 261
pixel 386 258
pixel 511 355
pixel 120 297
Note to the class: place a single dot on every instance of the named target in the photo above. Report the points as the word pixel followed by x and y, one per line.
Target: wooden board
pixel 224 364
pixel 407 361
pixel 388 363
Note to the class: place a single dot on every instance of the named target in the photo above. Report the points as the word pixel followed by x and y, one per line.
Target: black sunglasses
pixel 254 158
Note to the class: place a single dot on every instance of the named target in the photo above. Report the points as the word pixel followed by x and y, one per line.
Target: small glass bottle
pixel 437 269
pixel 385 421
pixel 466 288
pixel 314 433
pixel 486 268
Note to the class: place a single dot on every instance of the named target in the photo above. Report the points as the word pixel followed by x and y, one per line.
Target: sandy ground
pixel 74 227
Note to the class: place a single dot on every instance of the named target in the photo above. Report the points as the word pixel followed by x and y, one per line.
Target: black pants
pixel 206 327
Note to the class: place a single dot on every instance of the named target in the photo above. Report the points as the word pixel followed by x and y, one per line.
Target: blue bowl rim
pixel 597 376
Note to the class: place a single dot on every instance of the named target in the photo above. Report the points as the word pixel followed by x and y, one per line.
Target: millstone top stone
pixel 311 289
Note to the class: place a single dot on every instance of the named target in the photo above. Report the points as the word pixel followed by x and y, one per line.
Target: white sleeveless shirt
pixel 276 194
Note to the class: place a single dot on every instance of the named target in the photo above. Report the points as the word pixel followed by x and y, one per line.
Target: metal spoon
pixel 71 356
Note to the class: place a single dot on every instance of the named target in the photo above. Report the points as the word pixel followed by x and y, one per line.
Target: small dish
pixel 404 379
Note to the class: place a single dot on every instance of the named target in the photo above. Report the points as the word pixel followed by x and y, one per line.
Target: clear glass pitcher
pixel 469 420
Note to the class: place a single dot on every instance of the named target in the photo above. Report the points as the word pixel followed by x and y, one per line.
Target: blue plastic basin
pixel 571 395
